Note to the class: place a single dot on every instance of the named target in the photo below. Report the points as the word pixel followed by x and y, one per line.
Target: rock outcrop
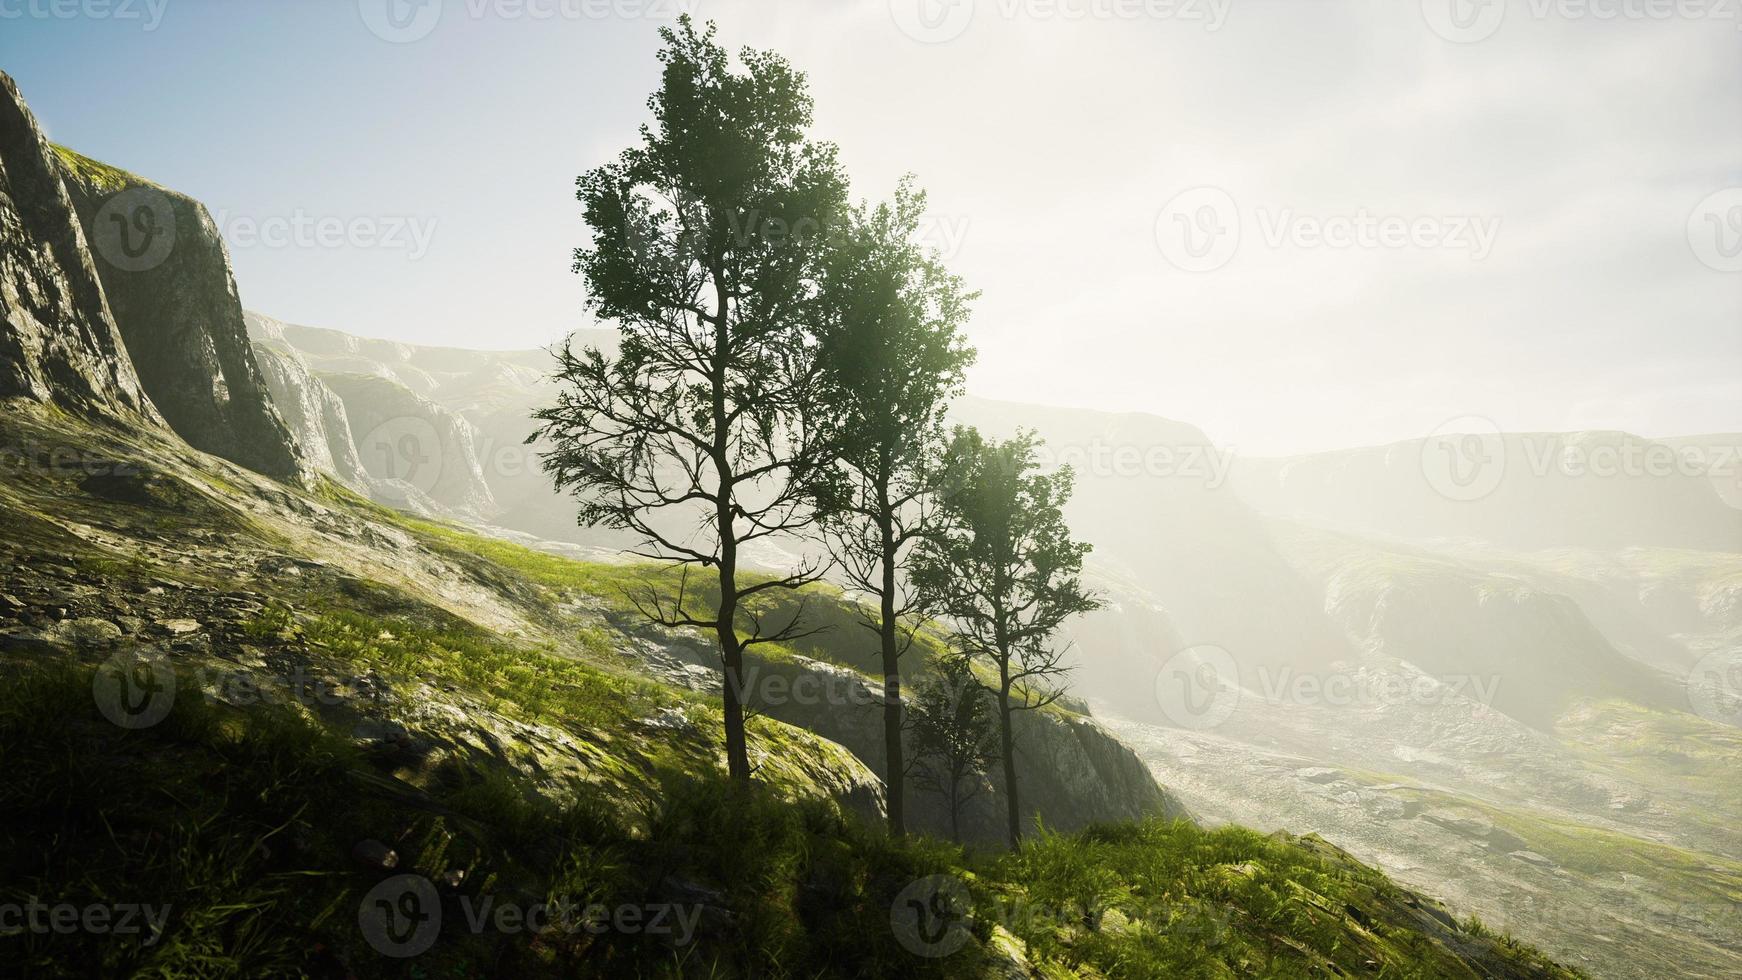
pixel 166 275
pixel 1070 771
pixel 316 416
pixel 58 340
pixel 414 447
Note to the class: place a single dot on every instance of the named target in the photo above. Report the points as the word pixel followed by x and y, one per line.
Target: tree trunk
pixel 1007 747
pixel 732 693
pixel 956 810
pixel 894 769
pixel 732 703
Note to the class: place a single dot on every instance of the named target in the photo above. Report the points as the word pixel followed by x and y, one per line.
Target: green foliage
pixel 953 735
pixel 1003 570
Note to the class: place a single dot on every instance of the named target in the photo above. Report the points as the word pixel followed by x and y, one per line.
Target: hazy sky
pixel 1498 210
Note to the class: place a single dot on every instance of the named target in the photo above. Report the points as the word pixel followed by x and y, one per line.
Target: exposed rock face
pixel 166 274
pixel 1071 772
pixel 58 341
pixel 315 415
pixel 413 446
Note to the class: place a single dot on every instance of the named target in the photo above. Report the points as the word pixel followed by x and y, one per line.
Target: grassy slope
pixel 240 816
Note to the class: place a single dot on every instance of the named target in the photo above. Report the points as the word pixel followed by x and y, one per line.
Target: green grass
pixel 241 824
pixel 100 175
pixel 842 638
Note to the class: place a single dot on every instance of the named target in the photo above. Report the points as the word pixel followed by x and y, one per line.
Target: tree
pixel 706 241
pixel 952 734
pixel 1005 571
pixel 891 356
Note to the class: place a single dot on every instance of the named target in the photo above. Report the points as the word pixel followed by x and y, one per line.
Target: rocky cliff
pixel 166 274
pixel 58 340
pixel 315 415
pixel 416 449
pixel 1071 772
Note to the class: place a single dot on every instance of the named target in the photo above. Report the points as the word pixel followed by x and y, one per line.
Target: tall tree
pixel 891 356
pixel 953 738
pixel 706 241
pixel 1006 572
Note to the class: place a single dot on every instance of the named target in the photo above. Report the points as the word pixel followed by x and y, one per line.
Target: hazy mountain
pixel 1522 490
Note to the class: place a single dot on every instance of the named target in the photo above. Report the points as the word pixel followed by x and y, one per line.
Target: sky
pixel 1299 226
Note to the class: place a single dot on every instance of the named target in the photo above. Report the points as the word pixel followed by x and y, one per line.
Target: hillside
pixel 381 697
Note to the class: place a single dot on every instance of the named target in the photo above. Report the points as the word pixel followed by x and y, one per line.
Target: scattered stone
pixel 249 656
pixel 1318 774
pixel 374 854
pixel 90 632
pixel 375 730
pixel 669 719
pixel 10 606
pixel 1532 858
pixel 130 625
pixel 179 627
